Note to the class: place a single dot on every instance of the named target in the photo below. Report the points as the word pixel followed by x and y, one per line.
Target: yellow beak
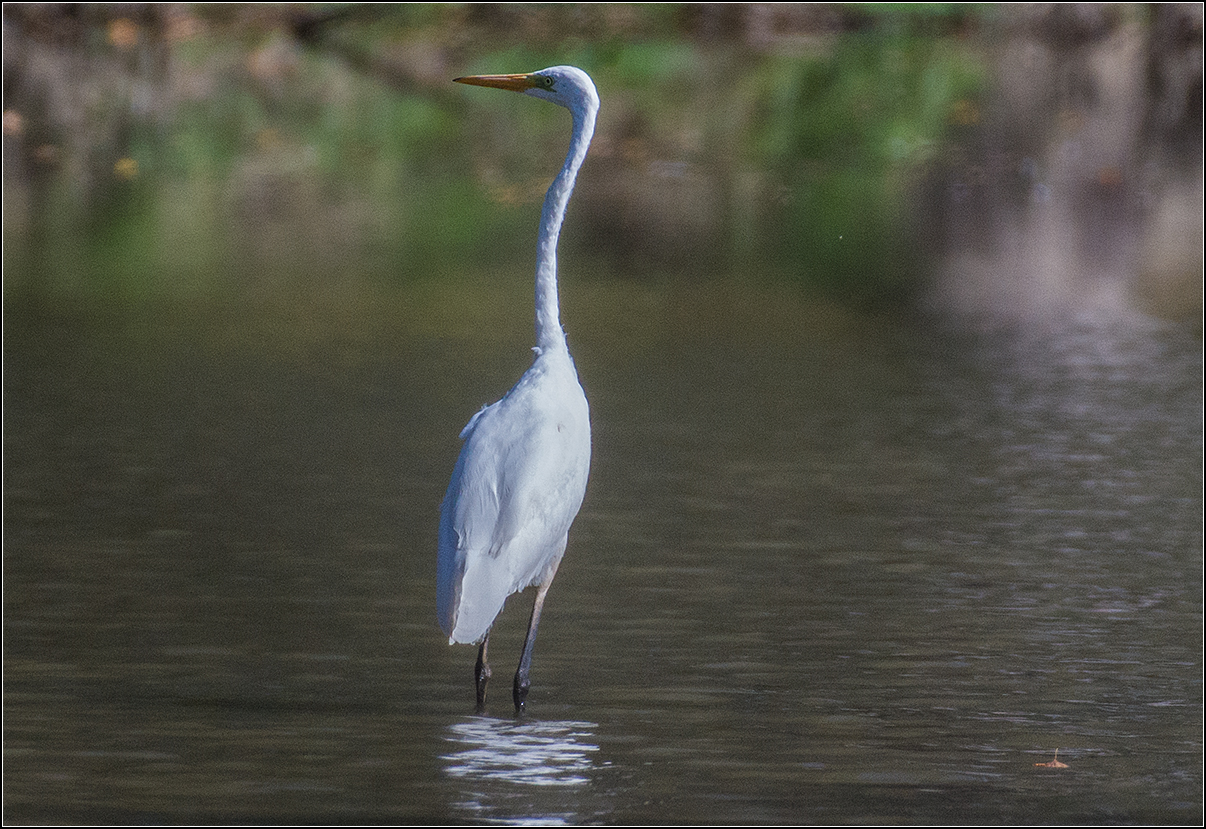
pixel 516 83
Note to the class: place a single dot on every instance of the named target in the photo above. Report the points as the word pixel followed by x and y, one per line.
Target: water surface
pixel 847 574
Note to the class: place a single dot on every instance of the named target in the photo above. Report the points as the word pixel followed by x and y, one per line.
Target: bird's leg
pixel 522 683
pixel 481 674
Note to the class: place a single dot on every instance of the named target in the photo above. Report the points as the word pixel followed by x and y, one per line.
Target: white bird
pixel 522 471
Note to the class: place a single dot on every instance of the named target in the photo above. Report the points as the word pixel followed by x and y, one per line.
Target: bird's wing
pixel 467 494
pixel 512 485
pixel 516 488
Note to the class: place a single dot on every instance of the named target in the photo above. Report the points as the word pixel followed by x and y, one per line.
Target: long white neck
pixel 549 333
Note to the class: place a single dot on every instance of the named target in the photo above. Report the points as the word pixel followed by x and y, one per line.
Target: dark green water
pixel 873 574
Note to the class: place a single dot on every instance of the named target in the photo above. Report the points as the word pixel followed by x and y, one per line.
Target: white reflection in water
pixel 511 763
pixel 531 753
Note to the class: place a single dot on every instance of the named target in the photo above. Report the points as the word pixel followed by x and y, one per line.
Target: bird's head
pixel 567 86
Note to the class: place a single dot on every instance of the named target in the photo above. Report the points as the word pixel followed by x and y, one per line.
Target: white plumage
pixel 521 474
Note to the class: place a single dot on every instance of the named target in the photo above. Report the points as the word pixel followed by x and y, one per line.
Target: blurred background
pixel 890 318
pixel 994 161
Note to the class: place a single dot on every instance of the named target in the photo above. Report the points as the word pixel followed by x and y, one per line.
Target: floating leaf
pixel 1055 763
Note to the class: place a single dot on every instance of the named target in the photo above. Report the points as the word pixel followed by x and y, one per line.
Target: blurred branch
pixel 310 27
pixel 412 70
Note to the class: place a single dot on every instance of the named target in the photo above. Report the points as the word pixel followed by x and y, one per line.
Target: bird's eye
pixel 545 82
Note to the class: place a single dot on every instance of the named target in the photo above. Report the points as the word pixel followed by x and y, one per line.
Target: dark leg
pixel 481 673
pixel 522 683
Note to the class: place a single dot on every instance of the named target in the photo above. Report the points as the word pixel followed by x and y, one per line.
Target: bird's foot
pixel 520 692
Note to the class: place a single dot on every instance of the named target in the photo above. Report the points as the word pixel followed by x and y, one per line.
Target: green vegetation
pixel 266 154
pixel 847 134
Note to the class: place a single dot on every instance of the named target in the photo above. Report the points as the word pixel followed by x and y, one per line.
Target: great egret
pixel 521 474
